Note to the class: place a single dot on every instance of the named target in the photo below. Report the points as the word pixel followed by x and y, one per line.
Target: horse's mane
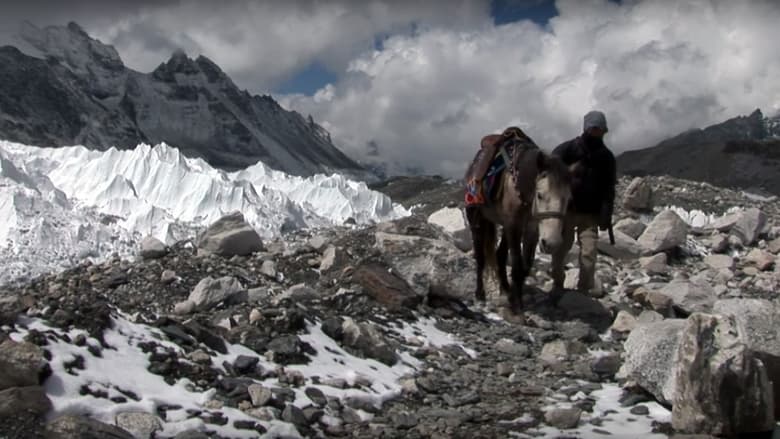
pixel 560 176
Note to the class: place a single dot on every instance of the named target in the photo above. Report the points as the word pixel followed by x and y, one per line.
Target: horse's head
pixel 553 193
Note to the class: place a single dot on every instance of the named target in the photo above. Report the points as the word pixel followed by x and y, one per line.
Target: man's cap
pixel 595 119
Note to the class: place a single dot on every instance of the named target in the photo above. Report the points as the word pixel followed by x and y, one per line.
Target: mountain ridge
pixel 742 152
pixel 75 90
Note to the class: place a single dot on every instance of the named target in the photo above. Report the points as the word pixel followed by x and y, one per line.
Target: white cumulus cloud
pixel 654 67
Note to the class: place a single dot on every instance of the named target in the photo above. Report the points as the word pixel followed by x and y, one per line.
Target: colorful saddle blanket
pixel 479 191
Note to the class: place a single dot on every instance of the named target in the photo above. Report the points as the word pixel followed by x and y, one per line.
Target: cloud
pixel 654 67
pixel 259 44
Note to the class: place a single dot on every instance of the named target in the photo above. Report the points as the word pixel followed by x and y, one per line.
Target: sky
pixel 415 85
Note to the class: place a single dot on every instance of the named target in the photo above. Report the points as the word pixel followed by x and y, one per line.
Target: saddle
pixel 494 156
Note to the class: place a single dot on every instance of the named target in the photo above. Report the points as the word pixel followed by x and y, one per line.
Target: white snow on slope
pixel 99 374
pixel 59 205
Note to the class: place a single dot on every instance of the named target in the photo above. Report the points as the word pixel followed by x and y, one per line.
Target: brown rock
pixel 385 287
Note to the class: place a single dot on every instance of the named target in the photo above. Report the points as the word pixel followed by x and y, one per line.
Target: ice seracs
pixel 50 196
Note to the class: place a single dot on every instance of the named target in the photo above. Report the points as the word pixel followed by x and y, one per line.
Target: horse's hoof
pixel 513 316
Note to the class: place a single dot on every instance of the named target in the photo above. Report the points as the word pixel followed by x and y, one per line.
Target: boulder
pixel 152 248
pixel 656 264
pixel 624 322
pixel 365 338
pixel 690 296
pixel 718 243
pixel 386 287
pixel 332 257
pixel 563 417
pixel 561 350
pixel 209 292
pixel 762 260
pixel 268 269
pixel 141 425
pixel 630 227
pixel 726 222
pixel 749 226
pixel 758 323
pixel 29 401
pixel 578 305
pixel 638 195
pixel 774 246
pixel 649 357
pixel 718 262
pixel 625 247
pixel 229 236
pixel 453 221
pixel 21 364
pixel 77 427
pixel 721 387
pixel 429 264
pixel 665 232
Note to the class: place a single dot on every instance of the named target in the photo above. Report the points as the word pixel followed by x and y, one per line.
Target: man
pixel 593 197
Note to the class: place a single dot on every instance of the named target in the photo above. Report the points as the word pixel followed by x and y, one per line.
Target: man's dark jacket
pixel 593 186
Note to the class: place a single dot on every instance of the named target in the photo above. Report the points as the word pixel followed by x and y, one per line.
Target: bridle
pixel 548 214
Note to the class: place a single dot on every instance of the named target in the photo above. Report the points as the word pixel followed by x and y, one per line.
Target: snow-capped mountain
pixel 65 88
pixel 59 205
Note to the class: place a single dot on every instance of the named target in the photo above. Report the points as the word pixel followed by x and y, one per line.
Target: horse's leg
pixel 478 226
pixel 502 254
pixel 519 272
pixel 530 239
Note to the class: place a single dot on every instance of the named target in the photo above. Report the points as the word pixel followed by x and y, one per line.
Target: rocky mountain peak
pixel 72 46
pixel 83 94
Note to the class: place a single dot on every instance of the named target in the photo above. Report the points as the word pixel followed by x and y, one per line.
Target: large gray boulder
pixel 638 195
pixel 152 248
pixel 21 364
pixel 141 425
pixel 690 296
pixel 429 264
pixel 23 402
pixel 749 225
pixel 80 427
pixel 210 292
pixel 665 232
pixel 721 387
pixel 650 352
pixel 631 227
pixel 453 221
pixel 229 236
pixel 758 323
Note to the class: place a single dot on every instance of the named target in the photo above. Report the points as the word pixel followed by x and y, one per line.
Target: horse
pixel 530 206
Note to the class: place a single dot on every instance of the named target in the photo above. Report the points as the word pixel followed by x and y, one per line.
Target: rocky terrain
pixel 741 153
pixel 372 331
pixel 66 88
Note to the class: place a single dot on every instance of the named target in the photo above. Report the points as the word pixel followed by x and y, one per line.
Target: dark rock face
pixel 742 152
pixel 76 90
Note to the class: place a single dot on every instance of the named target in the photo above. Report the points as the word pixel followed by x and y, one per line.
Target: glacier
pixel 59 206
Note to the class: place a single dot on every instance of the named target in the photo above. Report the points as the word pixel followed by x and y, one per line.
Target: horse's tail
pixel 489 238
